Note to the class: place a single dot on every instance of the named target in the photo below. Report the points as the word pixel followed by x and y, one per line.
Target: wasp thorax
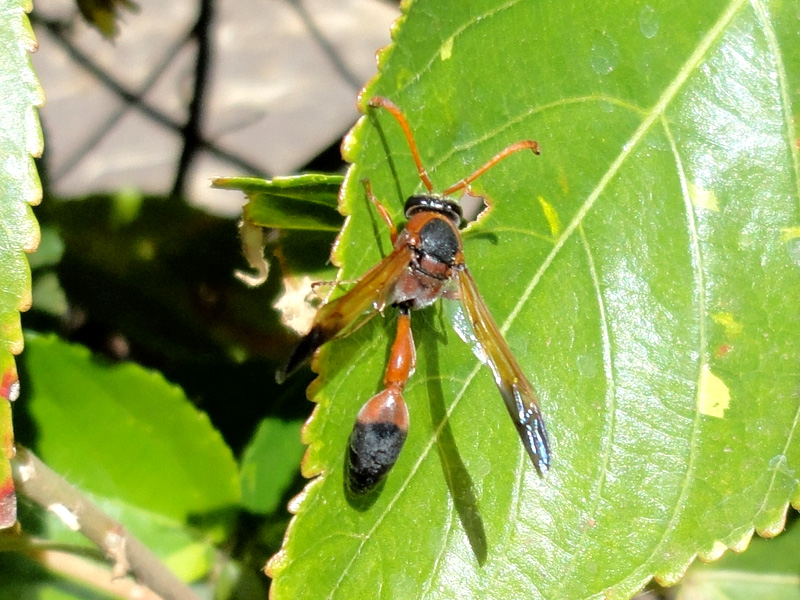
pixel 438 240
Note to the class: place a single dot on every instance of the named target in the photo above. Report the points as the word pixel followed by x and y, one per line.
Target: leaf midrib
pixel 650 118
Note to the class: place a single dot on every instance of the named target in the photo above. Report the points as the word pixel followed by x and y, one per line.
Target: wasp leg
pixel 515 147
pixel 382 423
pixel 381 102
pixel 381 210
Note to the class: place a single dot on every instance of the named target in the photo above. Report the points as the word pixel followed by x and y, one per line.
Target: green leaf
pixel 134 444
pixel 305 202
pixel 103 14
pixel 20 140
pixel 304 209
pixel 643 270
pixel 767 571
pixel 269 464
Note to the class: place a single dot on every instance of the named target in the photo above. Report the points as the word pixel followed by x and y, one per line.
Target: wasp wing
pixel 516 390
pixel 345 313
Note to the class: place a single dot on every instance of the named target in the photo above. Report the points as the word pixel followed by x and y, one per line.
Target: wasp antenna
pixel 516 147
pixel 381 102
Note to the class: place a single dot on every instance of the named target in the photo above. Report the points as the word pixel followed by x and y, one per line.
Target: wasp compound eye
pixel 376 441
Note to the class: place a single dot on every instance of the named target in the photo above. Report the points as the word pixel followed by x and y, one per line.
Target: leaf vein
pixel 610 423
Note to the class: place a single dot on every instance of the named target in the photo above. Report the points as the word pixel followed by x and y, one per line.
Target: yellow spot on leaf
pixel 731 325
pixel 563 182
pixel 553 222
pixel 446 51
pixel 702 198
pixel 790 233
pixel 713 396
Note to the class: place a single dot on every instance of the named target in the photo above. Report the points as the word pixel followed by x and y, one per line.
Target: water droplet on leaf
pixel 605 54
pixel 648 22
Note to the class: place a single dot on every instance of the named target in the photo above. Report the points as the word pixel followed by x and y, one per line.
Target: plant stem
pixel 44 486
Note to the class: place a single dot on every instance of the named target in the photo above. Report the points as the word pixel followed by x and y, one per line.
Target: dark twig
pixel 48 489
pixel 328 49
pixel 191 131
pixel 106 126
pixel 134 99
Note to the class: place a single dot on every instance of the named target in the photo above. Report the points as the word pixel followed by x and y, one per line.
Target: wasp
pixel 426 263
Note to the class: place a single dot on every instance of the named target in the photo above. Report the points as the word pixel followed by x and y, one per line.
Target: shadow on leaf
pixel 455 472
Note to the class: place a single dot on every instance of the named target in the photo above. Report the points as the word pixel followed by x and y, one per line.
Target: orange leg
pixel 380 101
pixel 382 423
pixel 381 210
pixel 515 147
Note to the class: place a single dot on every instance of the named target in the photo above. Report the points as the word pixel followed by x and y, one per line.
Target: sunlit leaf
pixel 20 140
pixel 305 202
pixel 300 208
pixel 643 270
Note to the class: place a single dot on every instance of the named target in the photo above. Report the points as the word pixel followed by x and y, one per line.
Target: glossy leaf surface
pixel 641 270
pixel 305 202
pixel 20 140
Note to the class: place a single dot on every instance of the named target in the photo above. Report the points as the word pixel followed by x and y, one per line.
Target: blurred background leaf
pixel 136 446
pixel 103 14
pixel 769 570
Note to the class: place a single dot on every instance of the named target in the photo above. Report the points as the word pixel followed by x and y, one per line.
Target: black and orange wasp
pixel 425 264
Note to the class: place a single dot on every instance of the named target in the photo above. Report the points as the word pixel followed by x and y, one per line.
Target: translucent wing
pixel 342 315
pixel 480 330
